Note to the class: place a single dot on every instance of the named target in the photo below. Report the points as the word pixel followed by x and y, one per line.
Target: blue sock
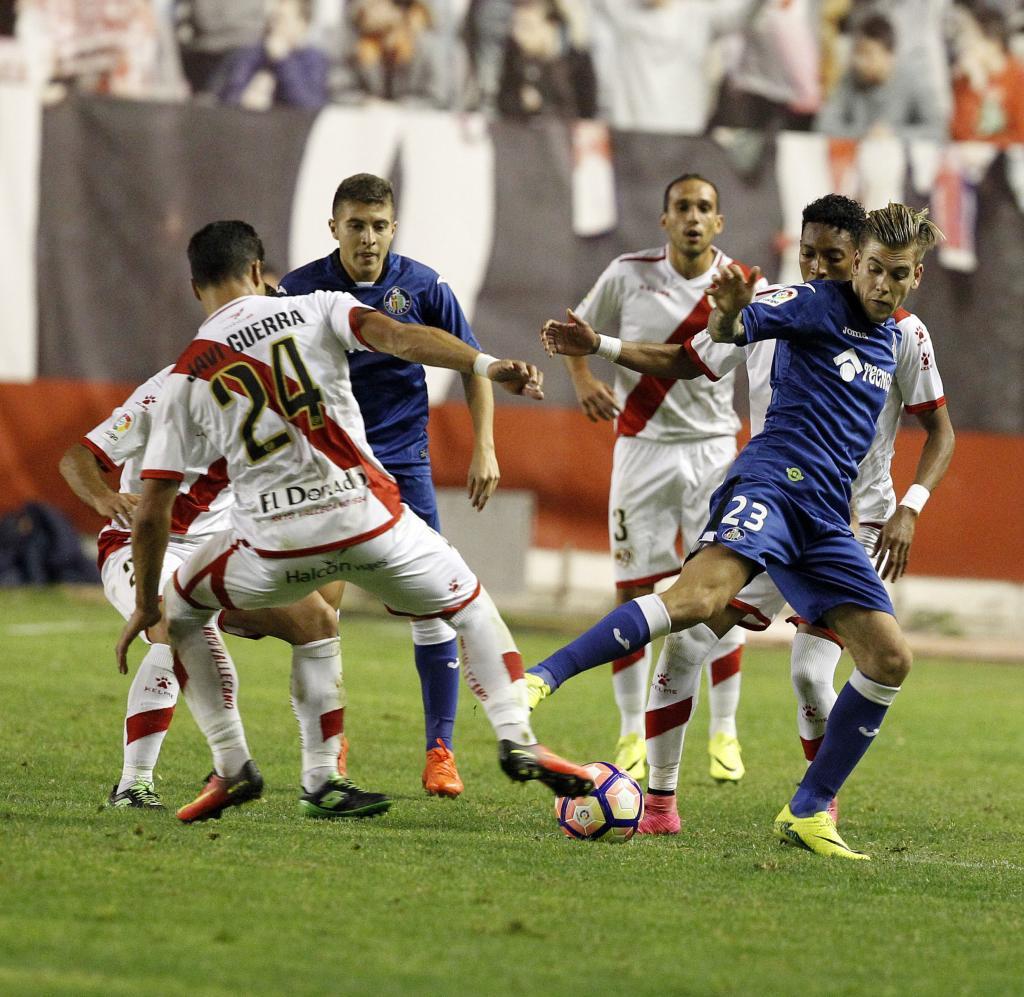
pixel 439 683
pixel 850 731
pixel 623 630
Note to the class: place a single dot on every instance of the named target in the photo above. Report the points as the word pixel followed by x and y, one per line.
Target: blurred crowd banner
pixel 98 197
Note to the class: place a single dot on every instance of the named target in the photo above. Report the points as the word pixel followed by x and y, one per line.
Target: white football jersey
pixel 266 382
pixel 916 387
pixel 643 298
pixel 203 504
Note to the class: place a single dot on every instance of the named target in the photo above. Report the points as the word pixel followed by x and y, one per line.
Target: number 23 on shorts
pixel 738 506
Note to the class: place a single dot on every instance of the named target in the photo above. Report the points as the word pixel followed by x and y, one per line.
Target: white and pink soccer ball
pixel 612 811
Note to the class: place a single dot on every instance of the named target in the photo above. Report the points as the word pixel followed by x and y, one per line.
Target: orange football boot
pixel 440 777
pixel 220 792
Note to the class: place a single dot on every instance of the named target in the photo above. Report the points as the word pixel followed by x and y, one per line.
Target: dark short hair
pixel 222 251
pixel 879 29
pixel 689 176
pixel 993 26
pixel 836 211
pixel 363 188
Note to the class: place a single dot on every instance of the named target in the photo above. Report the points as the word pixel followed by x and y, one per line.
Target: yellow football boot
pixel 631 755
pixel 726 763
pixel 816 833
pixel 536 688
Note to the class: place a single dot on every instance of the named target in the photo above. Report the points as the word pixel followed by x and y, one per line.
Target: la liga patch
pixel 779 297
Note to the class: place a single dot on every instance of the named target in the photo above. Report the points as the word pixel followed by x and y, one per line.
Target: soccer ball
pixel 612 811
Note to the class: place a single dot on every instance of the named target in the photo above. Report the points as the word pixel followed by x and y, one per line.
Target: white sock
pixel 675 688
pixel 723 668
pixel 210 685
pixel 630 682
pixel 151 700
pixel 813 663
pixel 426 633
pixel 318 702
pixel 493 669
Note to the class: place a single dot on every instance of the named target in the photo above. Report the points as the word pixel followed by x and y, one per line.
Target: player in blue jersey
pixel 392 396
pixel 784 507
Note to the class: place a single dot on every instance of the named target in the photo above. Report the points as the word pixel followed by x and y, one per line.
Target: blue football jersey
pixel 392 393
pixel 831 374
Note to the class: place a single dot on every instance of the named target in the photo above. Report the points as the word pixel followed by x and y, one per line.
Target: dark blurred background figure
pixel 283 69
pixel 546 67
pixel 877 96
pixel 774 80
pixel 485 31
pixel 988 81
pixel 210 30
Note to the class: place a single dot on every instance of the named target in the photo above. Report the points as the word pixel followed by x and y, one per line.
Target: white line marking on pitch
pixel 961 864
pixel 51 627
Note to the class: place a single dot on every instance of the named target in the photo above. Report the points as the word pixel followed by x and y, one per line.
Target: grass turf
pixel 483 894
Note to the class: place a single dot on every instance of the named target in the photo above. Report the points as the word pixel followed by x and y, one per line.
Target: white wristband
pixel 915 498
pixel 608 348
pixel 482 362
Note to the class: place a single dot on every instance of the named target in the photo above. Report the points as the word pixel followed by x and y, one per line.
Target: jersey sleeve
pixel 342 314
pixel 171 438
pixel 444 312
pixel 125 432
pixel 602 306
pixel 715 359
pixel 790 312
pixel 917 373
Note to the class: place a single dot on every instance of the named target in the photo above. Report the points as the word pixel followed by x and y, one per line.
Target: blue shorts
pixel 816 563
pixel 417 490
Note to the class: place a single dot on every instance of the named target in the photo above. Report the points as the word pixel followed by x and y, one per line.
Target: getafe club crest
pixel 733 533
pixel 397 301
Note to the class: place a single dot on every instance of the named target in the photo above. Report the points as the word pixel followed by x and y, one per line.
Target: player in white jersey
pixel 831 227
pixel 266 383
pixel 674 441
pixel 201 509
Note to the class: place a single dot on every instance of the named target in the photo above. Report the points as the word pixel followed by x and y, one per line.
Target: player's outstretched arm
pixel 575 338
pixel 423 344
pixel 574 341
pixel 892 548
pixel 484 474
pixel 150 534
pixel 81 471
pixel 731 293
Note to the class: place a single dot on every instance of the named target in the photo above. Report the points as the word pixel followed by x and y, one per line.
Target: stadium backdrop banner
pixel 520 219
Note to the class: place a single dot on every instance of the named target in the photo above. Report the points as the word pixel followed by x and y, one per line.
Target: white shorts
pixel 118 571
pixel 762 600
pixel 658 491
pixel 410 567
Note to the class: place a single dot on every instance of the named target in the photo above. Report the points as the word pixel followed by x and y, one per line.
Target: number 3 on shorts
pixel 757 516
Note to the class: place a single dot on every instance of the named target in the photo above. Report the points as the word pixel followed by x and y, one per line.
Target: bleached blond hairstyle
pixel 898 226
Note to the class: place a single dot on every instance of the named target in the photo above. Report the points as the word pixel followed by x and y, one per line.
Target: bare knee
pixel 888 665
pixel 319 622
pixel 694 604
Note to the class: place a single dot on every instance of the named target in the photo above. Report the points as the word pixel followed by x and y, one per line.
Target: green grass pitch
pixel 483 895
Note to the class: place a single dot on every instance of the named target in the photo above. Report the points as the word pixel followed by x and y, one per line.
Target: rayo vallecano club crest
pixel 397 301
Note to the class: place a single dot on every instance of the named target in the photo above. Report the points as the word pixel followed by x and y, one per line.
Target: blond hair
pixel 897 226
